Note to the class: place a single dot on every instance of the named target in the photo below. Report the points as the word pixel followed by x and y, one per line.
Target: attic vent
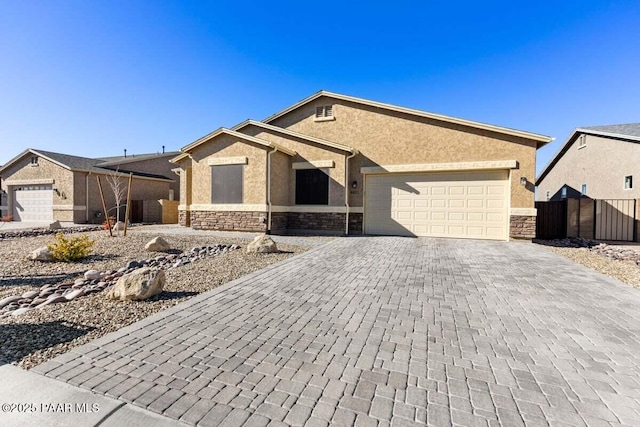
pixel 324 112
pixel 582 141
pixel 34 161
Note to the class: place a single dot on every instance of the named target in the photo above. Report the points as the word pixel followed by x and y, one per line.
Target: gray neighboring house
pixel 39 185
pixel 599 162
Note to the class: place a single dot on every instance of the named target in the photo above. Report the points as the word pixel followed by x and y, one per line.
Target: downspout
pixel 269 189
pixel 346 190
pixel 86 202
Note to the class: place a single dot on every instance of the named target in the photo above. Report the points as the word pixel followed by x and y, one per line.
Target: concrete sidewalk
pixel 28 399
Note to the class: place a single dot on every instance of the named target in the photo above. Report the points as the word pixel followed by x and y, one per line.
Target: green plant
pixel 73 249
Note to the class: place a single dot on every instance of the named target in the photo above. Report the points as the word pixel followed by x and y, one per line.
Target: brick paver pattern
pixel 385 331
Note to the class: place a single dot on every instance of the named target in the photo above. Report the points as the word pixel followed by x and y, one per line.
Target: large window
pixel 312 187
pixel 226 183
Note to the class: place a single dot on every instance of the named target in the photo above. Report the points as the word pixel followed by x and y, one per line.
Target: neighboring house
pixel 599 162
pixel 337 164
pixel 45 186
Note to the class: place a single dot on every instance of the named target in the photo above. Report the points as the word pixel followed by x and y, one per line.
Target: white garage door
pixel 463 205
pixel 33 203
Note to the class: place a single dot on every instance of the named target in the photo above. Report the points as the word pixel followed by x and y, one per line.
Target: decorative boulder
pixel 92 275
pixel 41 254
pixel 157 244
pixel 55 225
pixel 138 285
pixel 262 244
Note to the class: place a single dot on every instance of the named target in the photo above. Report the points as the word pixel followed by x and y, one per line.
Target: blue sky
pixel 95 77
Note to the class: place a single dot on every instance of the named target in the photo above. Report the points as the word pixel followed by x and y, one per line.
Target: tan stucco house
pixel 338 164
pixel 43 186
pixel 599 162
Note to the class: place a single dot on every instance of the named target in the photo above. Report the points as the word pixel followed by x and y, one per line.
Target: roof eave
pixel 235 134
pixel 294 134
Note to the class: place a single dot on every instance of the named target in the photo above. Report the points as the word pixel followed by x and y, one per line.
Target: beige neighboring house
pixel 45 186
pixel 599 162
pixel 337 164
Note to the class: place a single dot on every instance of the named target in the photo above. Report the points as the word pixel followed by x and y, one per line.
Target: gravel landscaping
pixel 620 262
pixel 38 335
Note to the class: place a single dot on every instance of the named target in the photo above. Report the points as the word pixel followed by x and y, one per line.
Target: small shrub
pixel 73 249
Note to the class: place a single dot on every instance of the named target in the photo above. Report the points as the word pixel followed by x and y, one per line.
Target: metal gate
pixel 615 219
pixel 551 221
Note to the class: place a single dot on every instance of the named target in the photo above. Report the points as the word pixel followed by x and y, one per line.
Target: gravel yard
pixel 38 335
pixel 605 260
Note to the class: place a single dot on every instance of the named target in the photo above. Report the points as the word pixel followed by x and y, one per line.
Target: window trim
pixel 630 187
pixel 242 185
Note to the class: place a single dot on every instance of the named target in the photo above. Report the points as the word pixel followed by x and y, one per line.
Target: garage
pixel 471 205
pixel 33 203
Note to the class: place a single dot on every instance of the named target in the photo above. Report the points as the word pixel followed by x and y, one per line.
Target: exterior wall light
pixel 354 184
pixel 523 181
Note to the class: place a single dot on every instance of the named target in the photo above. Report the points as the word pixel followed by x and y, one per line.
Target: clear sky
pixel 95 77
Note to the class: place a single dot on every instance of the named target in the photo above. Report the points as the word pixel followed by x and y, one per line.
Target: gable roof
pixel 79 164
pixel 540 139
pixel 288 132
pixel 224 131
pixel 119 160
pixel 626 132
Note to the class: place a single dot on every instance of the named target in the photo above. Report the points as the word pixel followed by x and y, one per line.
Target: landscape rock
pixel 119 226
pixel 9 300
pixel 74 294
pixel 157 244
pixel 30 294
pixel 262 244
pixel 55 225
pixel 92 275
pixel 20 311
pixel 41 254
pixel 138 285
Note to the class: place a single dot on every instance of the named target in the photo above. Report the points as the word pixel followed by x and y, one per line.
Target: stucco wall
pixel 391 138
pixel 602 164
pixel 141 189
pixel 306 152
pixel 255 171
pixel 159 166
pixel 280 178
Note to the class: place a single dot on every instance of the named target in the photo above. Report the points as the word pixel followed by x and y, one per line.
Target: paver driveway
pixel 379 331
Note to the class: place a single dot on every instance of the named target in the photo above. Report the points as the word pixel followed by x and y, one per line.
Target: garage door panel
pixel 471 205
pixel 33 203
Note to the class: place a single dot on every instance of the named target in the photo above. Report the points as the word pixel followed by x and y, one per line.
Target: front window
pixel 226 183
pixel 312 187
pixel 583 190
pixel 628 182
pixel 563 193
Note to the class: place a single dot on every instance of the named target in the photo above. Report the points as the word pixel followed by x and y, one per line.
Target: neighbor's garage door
pixel 33 203
pixel 462 205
